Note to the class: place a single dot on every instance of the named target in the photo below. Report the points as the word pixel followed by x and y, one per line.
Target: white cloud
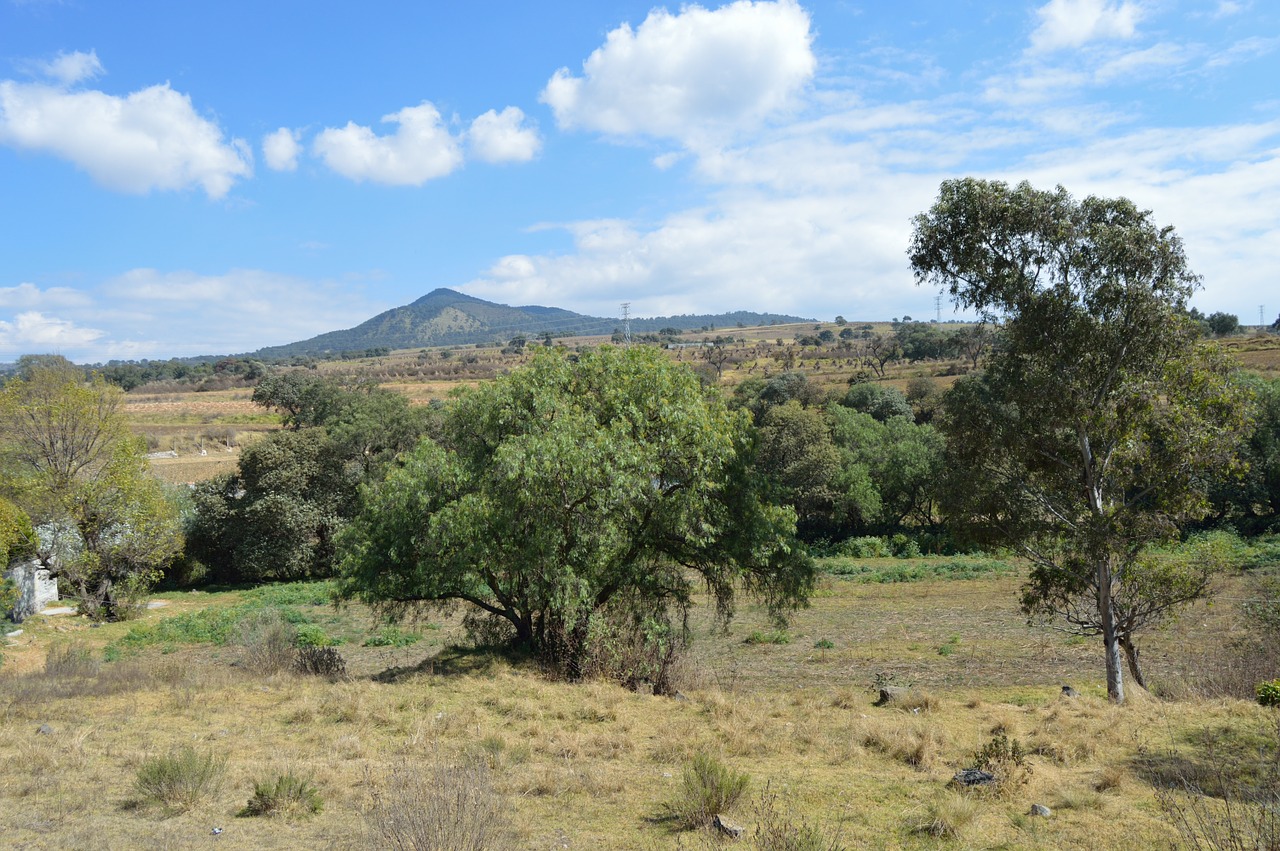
pixel 421 149
pixel 281 149
pixel 499 137
pixel 34 332
pixel 697 76
pixel 72 68
pixel 30 296
pixel 1075 23
pixel 150 139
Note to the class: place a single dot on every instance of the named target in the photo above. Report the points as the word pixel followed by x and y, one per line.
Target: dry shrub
pixel 777 830
pixel 438 807
pixel 266 642
pixel 321 662
pixel 71 661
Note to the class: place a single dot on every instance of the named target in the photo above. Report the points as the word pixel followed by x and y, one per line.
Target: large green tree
pixel 279 515
pixel 71 463
pixel 1087 438
pixel 571 486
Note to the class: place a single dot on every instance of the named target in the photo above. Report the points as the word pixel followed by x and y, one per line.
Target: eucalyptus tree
pixel 1087 438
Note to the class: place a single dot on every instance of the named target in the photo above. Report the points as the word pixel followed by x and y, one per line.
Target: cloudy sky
pixel 181 179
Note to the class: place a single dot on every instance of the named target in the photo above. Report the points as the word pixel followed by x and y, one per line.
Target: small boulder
pixel 892 694
pixel 1068 691
pixel 973 777
pixel 1041 810
pixel 728 828
pixel 44 730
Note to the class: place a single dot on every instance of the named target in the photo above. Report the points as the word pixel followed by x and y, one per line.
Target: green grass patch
pixel 916 570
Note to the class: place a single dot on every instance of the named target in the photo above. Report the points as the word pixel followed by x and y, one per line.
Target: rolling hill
pixel 445 317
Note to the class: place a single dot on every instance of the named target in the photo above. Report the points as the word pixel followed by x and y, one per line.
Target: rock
pixel 44 730
pixel 13 634
pixel 892 694
pixel 1041 810
pixel 728 828
pixel 1068 691
pixel 973 777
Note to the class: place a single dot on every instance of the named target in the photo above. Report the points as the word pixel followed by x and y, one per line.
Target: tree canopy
pixel 571 486
pixel 108 528
pixel 1087 437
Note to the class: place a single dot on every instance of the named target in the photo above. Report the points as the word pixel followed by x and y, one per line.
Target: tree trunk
pixel 1110 639
pixel 1131 656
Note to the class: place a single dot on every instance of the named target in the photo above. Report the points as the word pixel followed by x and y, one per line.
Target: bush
pixel 1006 760
pixel 444 808
pixel 310 635
pixel 288 795
pixel 267 641
pixel 708 788
pixel 321 662
pixel 70 661
pixel 1269 693
pixel 182 779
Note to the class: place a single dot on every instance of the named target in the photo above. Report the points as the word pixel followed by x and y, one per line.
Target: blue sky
pixel 180 179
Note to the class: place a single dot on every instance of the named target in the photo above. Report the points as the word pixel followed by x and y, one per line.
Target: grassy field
pixel 596 766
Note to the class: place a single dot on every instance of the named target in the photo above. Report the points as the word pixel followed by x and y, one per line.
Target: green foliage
pixel 880 401
pixel 73 466
pixel 708 788
pixel 17 538
pixel 310 635
pixel 392 636
pixel 1090 432
pixel 287 795
pixel 772 636
pixel 1269 693
pixel 564 485
pixel 181 779
pixel 280 515
pixel 9 596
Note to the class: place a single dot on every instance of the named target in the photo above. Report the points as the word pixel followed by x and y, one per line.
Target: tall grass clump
pixel 266 642
pixel 777 830
pixel 708 788
pixel 181 779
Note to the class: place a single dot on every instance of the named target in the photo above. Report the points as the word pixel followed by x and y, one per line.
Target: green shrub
pixel 1269 693
pixel 708 788
pixel 288 796
pixel 773 636
pixel 181 779
pixel 392 636
pixel 310 635
pixel 1006 760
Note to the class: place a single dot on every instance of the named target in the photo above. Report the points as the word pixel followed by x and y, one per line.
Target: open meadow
pixel 87 711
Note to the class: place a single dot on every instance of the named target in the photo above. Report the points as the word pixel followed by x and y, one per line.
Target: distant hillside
pixel 445 317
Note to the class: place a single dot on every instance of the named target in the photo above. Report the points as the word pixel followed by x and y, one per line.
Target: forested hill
pixel 445 317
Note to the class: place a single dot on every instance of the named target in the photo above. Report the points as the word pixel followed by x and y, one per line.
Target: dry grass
pixel 594 764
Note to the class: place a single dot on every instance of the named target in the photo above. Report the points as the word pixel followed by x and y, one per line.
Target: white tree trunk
pixel 1110 641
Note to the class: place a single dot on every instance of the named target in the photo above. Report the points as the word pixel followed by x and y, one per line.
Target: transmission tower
pixel 1262 321
pixel 937 306
pixel 626 322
